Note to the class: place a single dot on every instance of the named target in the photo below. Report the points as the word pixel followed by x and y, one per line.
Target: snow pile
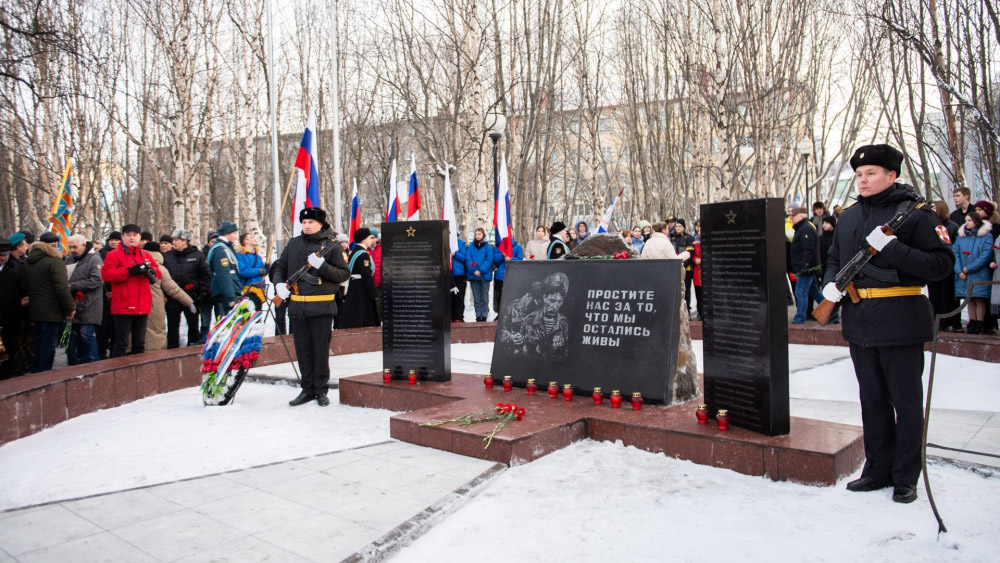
pixel 600 501
pixel 172 436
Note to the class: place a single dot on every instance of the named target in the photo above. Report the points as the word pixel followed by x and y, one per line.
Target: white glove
pixel 193 308
pixel 282 290
pixel 831 293
pixel 315 260
pixel 878 240
pixel 454 290
pixel 355 276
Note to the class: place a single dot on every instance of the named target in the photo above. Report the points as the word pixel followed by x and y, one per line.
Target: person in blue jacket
pixel 251 265
pixel 458 283
pixel 479 272
pixel 500 261
pixel 973 254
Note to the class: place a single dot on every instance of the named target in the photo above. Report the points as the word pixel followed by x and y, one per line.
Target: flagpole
pixel 274 128
pixel 338 187
pixel 62 188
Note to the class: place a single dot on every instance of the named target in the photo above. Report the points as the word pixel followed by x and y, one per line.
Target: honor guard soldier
pixel 558 247
pixel 314 263
pixel 888 326
pixel 360 305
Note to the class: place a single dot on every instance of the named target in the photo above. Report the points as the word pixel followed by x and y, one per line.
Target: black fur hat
pixel 886 156
pixel 314 213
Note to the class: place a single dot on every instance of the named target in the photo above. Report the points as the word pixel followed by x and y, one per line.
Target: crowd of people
pixel 128 293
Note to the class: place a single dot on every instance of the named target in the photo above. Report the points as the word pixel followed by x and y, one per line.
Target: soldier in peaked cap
pixel 311 306
pixel 226 286
pixel 888 327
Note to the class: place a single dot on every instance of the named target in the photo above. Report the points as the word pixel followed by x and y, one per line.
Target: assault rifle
pixel 303 273
pixel 850 272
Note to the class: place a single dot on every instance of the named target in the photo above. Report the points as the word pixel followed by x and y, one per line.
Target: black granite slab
pixel 416 305
pixel 745 329
pixel 591 323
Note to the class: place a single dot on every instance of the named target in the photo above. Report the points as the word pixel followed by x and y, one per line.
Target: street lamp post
pixel 805 149
pixel 495 124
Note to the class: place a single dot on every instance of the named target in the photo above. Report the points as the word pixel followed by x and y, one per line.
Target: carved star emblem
pixel 410 232
pixel 732 217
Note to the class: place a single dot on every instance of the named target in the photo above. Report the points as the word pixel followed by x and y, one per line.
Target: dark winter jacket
pixel 684 243
pixel 919 255
pixel 86 278
pixel 12 290
pixel 557 248
pixel 329 277
pixel 225 277
pixel 805 249
pixel 130 293
pixel 500 261
pixel 479 257
pixel 973 251
pixel 49 299
pixel 189 270
pixel 360 302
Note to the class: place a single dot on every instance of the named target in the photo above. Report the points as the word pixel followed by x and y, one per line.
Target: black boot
pixel 322 400
pixel 904 494
pixel 971 328
pixel 866 484
pixel 303 398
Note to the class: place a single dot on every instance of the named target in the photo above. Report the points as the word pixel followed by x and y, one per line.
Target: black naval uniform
pixel 887 332
pixel 360 308
pixel 557 248
pixel 311 305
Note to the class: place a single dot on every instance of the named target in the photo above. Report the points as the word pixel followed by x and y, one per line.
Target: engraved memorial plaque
pixel 416 305
pixel 591 323
pixel 745 329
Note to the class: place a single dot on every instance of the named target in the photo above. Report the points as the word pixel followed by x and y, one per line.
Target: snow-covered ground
pixel 591 501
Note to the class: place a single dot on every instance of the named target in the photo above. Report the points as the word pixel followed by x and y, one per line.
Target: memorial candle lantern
pixel 616 399
pixel 722 418
pixel 412 377
pixel 508 383
pixel 531 386
pixel 598 396
pixel 636 401
pixel 553 390
pixel 386 376
pixel 702 413
pixel 488 381
pixel 568 392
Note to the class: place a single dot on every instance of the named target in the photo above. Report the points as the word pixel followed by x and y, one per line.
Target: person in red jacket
pixel 130 271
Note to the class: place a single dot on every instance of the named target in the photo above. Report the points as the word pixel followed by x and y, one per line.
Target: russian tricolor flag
pixel 307 178
pixel 603 227
pixel 501 212
pixel 392 207
pixel 413 203
pixel 355 212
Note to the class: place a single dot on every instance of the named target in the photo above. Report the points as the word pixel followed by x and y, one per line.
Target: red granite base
pixel 815 452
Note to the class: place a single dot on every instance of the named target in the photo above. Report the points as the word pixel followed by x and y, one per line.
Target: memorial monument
pixel 745 330
pixel 612 324
pixel 416 305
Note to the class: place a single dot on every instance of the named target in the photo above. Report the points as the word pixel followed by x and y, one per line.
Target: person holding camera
pixel 130 270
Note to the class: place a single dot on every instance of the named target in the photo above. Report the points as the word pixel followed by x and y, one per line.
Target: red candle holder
pixel 598 396
pixel 702 413
pixel 412 377
pixel 722 418
pixel 553 390
pixel 616 399
pixel 508 383
pixel 386 376
pixel 568 392
pixel 531 386
pixel 636 401
pixel 488 381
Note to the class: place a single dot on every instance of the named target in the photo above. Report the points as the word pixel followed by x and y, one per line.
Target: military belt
pixel 311 298
pixel 878 292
